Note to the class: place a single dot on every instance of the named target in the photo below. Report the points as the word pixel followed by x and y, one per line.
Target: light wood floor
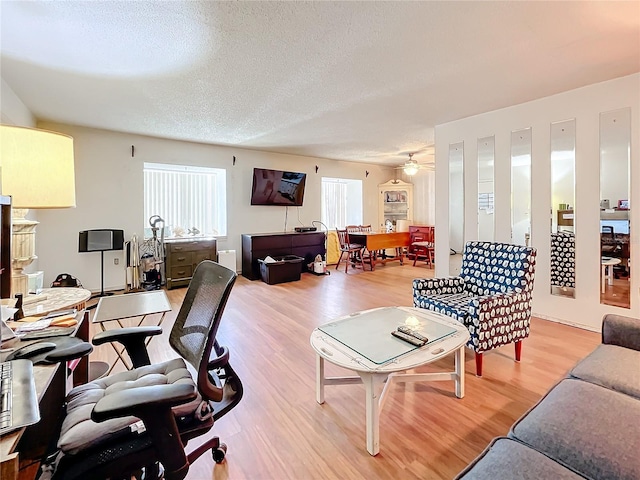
pixel 279 432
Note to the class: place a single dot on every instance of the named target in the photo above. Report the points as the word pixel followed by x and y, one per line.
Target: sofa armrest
pixel 622 331
pixel 437 286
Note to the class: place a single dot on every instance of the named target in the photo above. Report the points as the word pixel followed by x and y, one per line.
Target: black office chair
pixel 101 435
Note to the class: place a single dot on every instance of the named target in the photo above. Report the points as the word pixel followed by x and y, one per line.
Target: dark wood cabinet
pixel 259 245
pixel 5 247
pixel 183 256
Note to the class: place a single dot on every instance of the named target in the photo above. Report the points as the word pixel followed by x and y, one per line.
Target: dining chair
pixel 422 246
pixel 354 251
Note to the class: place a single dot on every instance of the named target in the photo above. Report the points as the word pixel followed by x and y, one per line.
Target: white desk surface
pixel 129 305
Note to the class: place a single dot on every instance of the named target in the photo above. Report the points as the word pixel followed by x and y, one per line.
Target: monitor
pixel 619 226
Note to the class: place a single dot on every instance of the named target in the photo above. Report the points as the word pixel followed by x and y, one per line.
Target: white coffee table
pixel 365 341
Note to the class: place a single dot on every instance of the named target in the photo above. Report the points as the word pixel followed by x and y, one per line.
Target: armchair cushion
pixel 79 432
pixel 454 305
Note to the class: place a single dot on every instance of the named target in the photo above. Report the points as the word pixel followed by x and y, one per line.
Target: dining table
pixel 378 242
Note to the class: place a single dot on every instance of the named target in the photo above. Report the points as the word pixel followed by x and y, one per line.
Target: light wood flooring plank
pixel 279 432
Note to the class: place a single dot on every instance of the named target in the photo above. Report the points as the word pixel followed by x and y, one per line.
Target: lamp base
pixel 23 245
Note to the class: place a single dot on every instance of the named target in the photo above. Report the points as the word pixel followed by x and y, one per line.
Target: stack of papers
pixel 33 326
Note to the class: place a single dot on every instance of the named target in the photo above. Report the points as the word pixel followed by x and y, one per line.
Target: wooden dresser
pixel 258 245
pixel 184 255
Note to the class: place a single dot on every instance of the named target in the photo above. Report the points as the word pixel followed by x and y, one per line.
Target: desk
pixel 375 241
pixel 51 381
pixel 130 305
pixel 52 299
pixel 382 321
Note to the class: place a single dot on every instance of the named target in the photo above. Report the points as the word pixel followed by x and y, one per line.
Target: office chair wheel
pixel 219 453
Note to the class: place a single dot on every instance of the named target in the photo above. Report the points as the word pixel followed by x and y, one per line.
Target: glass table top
pixel 369 333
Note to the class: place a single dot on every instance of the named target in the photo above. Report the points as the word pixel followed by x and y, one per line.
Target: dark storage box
pixel 284 269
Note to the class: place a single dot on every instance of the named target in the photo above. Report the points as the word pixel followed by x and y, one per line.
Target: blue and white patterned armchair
pixel 491 297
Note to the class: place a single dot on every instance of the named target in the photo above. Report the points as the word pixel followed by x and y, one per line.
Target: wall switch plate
pixel 116 261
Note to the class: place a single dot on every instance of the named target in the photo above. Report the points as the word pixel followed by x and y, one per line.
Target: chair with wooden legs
pixel 354 251
pixel 422 247
pixel 491 297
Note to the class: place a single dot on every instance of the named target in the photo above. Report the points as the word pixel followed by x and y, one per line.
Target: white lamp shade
pixel 37 168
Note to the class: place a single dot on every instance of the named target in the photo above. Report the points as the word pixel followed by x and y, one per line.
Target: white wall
pixel 14 111
pixel 109 194
pixel 585 105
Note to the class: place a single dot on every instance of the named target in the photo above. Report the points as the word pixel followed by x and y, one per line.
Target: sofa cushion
pixel 590 429
pixel 506 458
pixel 612 367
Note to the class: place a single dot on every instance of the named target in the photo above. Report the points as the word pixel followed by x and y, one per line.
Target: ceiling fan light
pixel 410 169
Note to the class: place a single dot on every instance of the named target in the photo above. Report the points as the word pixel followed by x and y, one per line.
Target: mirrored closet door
pixel 486 207
pixel 521 186
pixel 456 206
pixel 563 211
pixel 615 229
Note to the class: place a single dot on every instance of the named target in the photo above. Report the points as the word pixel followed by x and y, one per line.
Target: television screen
pixel 275 187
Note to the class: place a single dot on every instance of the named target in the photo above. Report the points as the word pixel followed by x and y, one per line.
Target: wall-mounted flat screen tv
pixel 276 187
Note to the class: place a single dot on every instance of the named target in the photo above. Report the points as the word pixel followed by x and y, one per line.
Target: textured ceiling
pixel 361 81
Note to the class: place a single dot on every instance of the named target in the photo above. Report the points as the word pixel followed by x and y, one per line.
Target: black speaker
pixel 100 240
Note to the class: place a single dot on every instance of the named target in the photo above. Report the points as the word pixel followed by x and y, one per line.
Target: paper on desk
pixel 33 326
pixel 269 259
pixel 7 313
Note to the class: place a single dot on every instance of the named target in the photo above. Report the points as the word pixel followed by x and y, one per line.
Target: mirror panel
pixel 486 152
pixel 521 186
pixel 615 145
pixel 456 206
pixel 563 159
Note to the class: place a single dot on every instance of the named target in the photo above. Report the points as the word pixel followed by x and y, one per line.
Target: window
pixel 341 202
pixel 186 198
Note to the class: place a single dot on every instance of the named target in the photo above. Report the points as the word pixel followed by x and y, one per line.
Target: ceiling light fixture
pixel 411 167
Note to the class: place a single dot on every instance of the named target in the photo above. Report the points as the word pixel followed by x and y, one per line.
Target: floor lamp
pixel 37 171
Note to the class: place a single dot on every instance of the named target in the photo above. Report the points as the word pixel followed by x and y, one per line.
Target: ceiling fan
pixel 411 167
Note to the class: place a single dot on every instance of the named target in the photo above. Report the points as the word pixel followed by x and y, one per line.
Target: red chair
pixel 422 246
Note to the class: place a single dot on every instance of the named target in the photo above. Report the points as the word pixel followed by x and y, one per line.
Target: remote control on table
pixel 408 338
pixel 409 331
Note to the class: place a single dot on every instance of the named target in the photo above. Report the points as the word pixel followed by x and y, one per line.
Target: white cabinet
pixel 396 202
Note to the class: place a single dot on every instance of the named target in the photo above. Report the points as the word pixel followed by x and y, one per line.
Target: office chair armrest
pixel 70 353
pixel 142 402
pixel 442 285
pixel 221 360
pixel 133 339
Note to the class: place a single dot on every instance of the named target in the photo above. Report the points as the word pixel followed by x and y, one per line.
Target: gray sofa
pixel 587 426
